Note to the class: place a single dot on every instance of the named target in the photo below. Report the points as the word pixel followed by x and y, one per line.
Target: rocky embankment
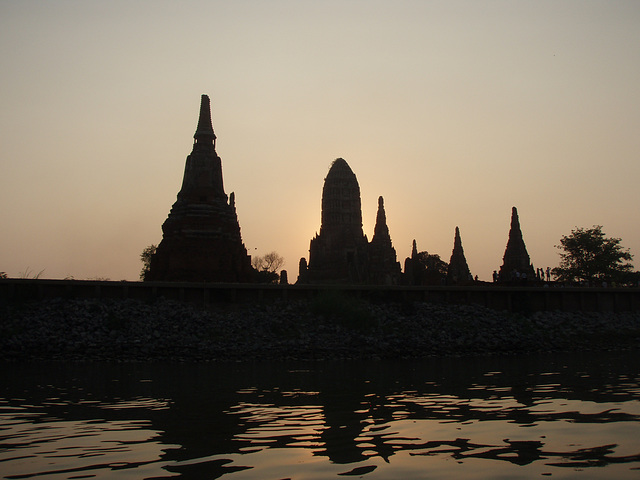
pixel 324 328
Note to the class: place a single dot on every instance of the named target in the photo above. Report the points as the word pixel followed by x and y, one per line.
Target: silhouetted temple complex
pixel 516 264
pixel 202 241
pixel 341 253
pixel 201 236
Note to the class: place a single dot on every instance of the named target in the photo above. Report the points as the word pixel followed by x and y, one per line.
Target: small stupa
pixel 458 270
pixel 414 270
pixel 384 268
pixel 516 264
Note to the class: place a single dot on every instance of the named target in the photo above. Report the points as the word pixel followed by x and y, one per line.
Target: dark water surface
pixel 558 416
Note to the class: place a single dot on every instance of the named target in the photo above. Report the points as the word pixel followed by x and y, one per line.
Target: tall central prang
pixel 341 253
pixel 201 236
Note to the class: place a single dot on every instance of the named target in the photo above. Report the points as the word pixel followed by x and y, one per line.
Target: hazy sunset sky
pixel 453 111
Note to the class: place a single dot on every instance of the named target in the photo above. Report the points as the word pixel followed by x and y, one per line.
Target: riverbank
pixel 328 327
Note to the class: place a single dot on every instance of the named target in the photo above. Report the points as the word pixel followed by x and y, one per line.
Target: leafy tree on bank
pixel 587 255
pixel 434 269
pixel 145 256
pixel 267 267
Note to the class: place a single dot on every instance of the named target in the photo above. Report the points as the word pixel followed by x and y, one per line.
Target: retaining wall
pixel 496 297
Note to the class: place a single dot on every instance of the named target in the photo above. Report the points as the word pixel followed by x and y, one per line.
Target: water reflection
pixel 475 418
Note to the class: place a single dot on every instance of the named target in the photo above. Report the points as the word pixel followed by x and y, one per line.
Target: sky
pixel 453 111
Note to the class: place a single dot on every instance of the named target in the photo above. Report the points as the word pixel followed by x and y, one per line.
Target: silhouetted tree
pixel 588 255
pixel 436 268
pixel 3 275
pixel 267 267
pixel 145 256
pixel 271 262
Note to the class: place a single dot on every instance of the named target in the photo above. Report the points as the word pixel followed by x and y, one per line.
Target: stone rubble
pixel 131 330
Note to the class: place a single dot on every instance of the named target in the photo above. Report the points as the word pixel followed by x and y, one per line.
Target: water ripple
pixel 379 421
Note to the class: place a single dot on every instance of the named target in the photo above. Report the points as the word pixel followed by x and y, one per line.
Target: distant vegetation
pixel 435 268
pixel 28 273
pixel 267 267
pixel 145 256
pixel 588 256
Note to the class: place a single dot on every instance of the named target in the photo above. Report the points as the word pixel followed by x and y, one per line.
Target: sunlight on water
pixel 146 403
pixel 65 449
pixel 557 417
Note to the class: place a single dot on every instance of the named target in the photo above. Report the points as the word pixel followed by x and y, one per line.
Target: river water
pixel 551 415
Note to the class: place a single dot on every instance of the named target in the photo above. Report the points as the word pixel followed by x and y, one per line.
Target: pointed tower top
pixel 204 131
pixel 515 233
pixel 457 240
pixel 381 228
pixel 414 250
pixel 515 221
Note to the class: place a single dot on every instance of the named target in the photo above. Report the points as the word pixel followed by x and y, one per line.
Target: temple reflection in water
pixel 213 419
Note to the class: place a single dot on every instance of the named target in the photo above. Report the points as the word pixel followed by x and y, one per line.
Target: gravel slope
pixel 325 328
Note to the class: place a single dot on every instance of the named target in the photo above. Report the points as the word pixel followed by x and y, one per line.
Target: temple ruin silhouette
pixel 202 241
pixel 384 268
pixel 414 270
pixel 341 252
pixel 201 236
pixel 458 271
pixel 516 264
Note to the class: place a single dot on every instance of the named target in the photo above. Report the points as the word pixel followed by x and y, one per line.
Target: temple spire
pixel 201 239
pixel 338 254
pixel 384 268
pixel 458 271
pixel 381 230
pixel 204 131
pixel 516 263
pixel 515 223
